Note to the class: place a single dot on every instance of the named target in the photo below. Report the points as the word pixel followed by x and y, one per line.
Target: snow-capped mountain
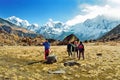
pixel 10 28
pixel 94 28
pixel 89 29
pixel 32 27
pixel 52 29
pixel 22 23
pixel 18 21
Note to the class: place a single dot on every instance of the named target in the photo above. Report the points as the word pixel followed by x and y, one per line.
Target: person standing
pixel 69 49
pixel 81 50
pixel 76 48
pixel 46 45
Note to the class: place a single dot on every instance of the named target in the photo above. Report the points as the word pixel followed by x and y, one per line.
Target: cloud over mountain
pixel 108 8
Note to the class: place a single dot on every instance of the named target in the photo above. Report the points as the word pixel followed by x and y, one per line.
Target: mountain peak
pixel 52 23
pixel 18 21
pixel 22 23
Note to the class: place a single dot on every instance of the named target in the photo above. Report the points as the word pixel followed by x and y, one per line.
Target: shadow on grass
pixel 35 62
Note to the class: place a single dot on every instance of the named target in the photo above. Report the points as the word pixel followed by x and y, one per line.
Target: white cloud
pixel 111 9
pixel 113 2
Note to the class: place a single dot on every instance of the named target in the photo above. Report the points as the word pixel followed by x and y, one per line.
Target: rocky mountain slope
pixel 11 34
pixel 114 34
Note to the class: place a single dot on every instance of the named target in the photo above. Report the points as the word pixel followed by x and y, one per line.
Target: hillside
pixel 11 34
pixel 113 35
pixel 12 28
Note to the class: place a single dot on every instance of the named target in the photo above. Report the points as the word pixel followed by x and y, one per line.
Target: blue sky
pixel 40 11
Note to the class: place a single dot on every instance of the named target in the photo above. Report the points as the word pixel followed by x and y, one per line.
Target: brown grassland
pixel 26 63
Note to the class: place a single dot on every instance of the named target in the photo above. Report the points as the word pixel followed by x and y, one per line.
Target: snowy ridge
pixel 18 21
pixel 52 29
pixel 94 28
pixel 89 29
pixel 22 23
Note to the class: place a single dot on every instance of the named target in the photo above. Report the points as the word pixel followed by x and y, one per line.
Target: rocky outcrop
pixel 70 38
pixel 112 35
pixel 51 59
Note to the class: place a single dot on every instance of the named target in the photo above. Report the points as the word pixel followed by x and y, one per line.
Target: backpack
pixel 80 46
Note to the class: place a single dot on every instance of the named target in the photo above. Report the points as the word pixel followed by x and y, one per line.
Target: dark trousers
pixel 69 53
pixel 77 52
pixel 81 52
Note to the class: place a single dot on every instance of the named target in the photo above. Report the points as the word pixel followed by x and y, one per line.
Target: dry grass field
pixel 26 63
